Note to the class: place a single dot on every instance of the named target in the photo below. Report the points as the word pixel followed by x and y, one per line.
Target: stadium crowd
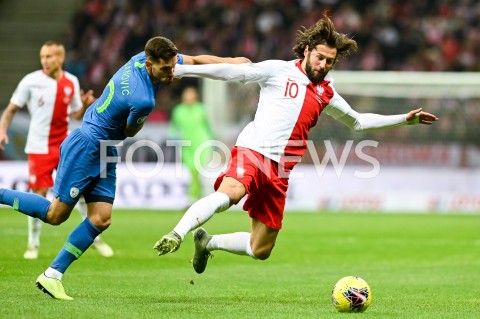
pixel 431 35
pixel 393 35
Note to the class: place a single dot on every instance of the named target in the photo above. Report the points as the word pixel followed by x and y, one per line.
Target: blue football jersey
pixel 129 97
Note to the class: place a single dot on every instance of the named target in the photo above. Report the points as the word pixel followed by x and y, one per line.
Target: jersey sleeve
pixel 179 58
pixel 76 103
pixel 244 73
pixel 138 115
pixel 340 110
pixel 21 94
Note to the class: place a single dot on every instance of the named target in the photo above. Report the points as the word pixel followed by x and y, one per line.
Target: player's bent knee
pixel 233 188
pixel 104 225
pixel 262 253
pixel 56 219
pixel 100 223
pixel 235 199
pixel 58 212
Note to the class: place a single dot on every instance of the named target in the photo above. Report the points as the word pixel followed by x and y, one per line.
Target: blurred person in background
pixel 189 123
pixel 293 94
pixel 89 156
pixel 52 95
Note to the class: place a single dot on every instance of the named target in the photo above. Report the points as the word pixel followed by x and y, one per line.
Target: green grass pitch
pixel 418 266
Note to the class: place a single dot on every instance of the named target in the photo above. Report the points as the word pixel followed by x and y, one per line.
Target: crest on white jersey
pixel 320 91
pixel 67 90
pixel 74 192
pixel 240 171
pixel 32 179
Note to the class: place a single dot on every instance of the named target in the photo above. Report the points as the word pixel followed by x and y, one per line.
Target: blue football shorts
pixel 81 171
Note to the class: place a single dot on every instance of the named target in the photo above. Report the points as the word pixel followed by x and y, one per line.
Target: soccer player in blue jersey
pixel 120 112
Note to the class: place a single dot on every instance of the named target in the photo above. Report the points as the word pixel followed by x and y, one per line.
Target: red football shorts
pixel 265 181
pixel 41 167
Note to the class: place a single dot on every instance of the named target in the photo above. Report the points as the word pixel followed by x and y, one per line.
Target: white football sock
pixel 34 230
pixel 53 273
pixel 82 208
pixel 201 211
pixel 235 243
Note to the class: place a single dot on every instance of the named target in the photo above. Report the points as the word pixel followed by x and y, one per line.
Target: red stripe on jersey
pixel 59 124
pixel 316 99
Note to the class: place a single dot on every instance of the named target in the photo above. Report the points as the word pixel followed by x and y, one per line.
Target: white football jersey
pixel 288 107
pixel 49 103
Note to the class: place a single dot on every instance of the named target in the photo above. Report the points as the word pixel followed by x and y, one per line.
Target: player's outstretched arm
pixel 219 71
pixel 421 117
pixel 210 59
pixel 5 122
pixel 340 110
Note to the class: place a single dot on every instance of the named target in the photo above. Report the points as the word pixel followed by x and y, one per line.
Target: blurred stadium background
pixel 411 53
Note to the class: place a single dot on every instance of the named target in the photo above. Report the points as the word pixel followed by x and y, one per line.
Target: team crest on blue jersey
pixel 74 192
pixel 142 119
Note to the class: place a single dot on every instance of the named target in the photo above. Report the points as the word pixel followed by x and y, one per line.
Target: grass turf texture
pixel 418 266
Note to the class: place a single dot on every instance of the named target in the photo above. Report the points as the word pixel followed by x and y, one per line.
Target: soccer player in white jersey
pixel 52 96
pixel 292 96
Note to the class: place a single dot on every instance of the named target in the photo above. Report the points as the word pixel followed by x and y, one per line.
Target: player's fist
pixel 87 97
pixel 3 139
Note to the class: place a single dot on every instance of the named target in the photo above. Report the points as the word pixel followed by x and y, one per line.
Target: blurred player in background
pixel 52 95
pixel 88 156
pixel 189 122
pixel 292 96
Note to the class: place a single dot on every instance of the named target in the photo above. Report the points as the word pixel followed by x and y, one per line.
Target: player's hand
pixel 3 139
pixel 423 117
pixel 87 97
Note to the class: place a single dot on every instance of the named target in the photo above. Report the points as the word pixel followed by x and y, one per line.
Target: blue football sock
pixel 30 204
pixel 77 243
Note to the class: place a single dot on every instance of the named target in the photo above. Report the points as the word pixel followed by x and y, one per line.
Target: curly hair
pixel 323 32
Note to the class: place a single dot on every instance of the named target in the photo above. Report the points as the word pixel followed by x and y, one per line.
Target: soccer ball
pixel 351 294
